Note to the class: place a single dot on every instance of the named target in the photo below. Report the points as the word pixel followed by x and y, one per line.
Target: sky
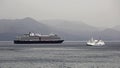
pixel 99 13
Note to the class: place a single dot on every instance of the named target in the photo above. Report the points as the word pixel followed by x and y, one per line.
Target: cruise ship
pixel 36 38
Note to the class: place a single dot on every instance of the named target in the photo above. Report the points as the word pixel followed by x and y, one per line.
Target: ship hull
pixel 37 42
pixel 89 45
pixel 93 45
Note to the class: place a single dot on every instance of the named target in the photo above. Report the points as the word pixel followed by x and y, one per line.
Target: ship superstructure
pixel 38 38
pixel 93 42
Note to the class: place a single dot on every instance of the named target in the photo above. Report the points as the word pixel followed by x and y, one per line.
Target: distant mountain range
pixel 116 28
pixel 68 30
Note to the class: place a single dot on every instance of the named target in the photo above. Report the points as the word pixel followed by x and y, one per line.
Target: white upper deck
pixel 37 36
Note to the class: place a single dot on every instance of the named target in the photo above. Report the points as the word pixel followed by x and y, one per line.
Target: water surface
pixel 70 54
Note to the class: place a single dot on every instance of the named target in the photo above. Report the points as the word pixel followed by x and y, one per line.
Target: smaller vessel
pixel 93 42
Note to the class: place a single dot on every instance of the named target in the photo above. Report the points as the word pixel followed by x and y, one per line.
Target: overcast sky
pixel 100 13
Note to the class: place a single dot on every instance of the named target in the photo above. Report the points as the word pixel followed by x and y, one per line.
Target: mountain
pixel 22 26
pixel 82 31
pixel 76 30
pixel 10 28
pixel 71 27
pixel 116 27
pixel 68 30
pixel 108 34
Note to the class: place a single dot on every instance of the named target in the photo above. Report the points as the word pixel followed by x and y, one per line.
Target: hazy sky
pixel 105 13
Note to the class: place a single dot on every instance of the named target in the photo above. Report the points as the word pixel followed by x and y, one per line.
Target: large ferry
pixel 36 38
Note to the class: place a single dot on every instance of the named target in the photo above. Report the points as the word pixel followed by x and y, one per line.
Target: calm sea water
pixel 70 54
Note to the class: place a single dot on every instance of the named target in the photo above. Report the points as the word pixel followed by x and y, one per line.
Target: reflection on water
pixel 66 55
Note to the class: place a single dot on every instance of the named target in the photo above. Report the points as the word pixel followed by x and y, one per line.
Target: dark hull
pixel 89 45
pixel 37 42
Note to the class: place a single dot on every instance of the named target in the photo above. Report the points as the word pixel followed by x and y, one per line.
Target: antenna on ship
pixel 30 33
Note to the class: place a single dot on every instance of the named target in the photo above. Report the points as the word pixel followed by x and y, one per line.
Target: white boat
pixel 93 42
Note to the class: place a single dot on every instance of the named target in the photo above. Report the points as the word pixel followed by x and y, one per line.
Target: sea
pixel 69 54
